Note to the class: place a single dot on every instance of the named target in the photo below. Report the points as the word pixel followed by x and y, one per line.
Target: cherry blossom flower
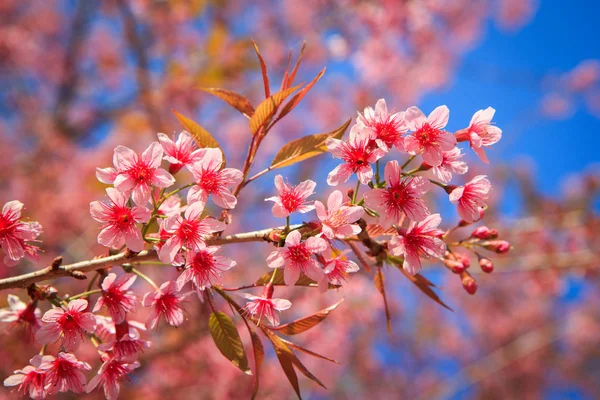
pixel 203 268
pixel 171 206
pixel 297 258
pixel 64 373
pixel 20 313
pixel 14 233
pixel 337 268
pixel 135 173
pixel 471 198
pixel 129 344
pixel 356 154
pixel 387 128
pixel 481 133
pixel 337 221
pixel 31 379
pixel 451 163
pixel 291 198
pixel 401 196
pixel 70 324
pixel 428 136
pixel 265 307
pixel 116 297
pixel 420 240
pixel 189 232
pixel 110 373
pixel 183 152
pixel 212 180
pixel 119 221
pixel 166 302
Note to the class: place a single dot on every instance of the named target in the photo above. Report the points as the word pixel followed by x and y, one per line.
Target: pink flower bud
pixel 482 232
pixel 469 283
pixel 486 265
pixel 499 246
pixel 456 266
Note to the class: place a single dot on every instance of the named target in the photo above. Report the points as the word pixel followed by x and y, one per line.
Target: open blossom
pixel 171 206
pixel 266 307
pixel 451 163
pixel 297 257
pixel 356 154
pixel 337 221
pixel 183 152
pixel 401 196
pixel 420 240
pixel 203 268
pixel 111 372
pixel 428 136
pixel 166 302
pixel 20 313
pixel 387 128
pixel 116 297
pixel 337 268
pixel 70 324
pixel 119 221
pixel 128 345
pixel 291 198
pixel 64 373
pixel 136 173
pixel 187 232
pixel 212 180
pixel 30 380
pixel 481 133
pixel 471 198
pixel 14 234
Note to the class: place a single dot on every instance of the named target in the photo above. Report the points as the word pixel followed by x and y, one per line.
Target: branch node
pixel 56 263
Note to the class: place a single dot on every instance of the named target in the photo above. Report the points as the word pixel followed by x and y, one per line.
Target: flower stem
pixel 355 195
pixel 145 277
pixel 84 294
pixel 408 162
pixel 273 276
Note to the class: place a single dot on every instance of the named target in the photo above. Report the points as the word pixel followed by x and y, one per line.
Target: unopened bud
pixel 493 234
pixel 464 259
pixel 312 225
pixel 175 168
pixel 456 266
pixel 482 232
pixel 469 283
pixel 57 262
pixel 486 265
pixel 499 246
pixel 350 193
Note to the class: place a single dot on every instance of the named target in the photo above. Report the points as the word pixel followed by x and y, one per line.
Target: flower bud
pixel 486 265
pixel 469 283
pixel 464 259
pixel 312 225
pixel 493 234
pixel 175 168
pixel 350 193
pixel 268 291
pixel 482 232
pixel 456 266
pixel 499 246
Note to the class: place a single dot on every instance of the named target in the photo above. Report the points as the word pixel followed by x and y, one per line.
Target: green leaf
pixel 227 339
pixel 306 147
pixel 235 100
pixel 265 110
pixel 201 136
pixel 306 323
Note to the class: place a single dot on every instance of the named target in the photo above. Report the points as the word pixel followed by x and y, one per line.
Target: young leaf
pixel 299 96
pixel 265 110
pixel 259 355
pixel 304 324
pixel 312 353
pixel 292 76
pixel 235 100
pixel 227 339
pixel 424 285
pixel 263 69
pixel 380 285
pixel 201 136
pixel 285 356
pixel 306 147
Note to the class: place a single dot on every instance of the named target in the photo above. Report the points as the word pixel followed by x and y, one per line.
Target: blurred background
pixel 78 78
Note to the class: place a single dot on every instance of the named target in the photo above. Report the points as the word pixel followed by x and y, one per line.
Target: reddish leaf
pixel 263 69
pixel 284 84
pixel 285 356
pixel 295 70
pixel 265 110
pixel 380 285
pixel 235 100
pixel 259 355
pixel 312 353
pixel 425 286
pixel 299 96
pixel 359 256
pixel 375 230
pixel 304 324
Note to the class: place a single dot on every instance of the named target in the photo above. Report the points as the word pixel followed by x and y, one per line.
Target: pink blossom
pixel 481 133
pixel 356 154
pixel 291 198
pixel 471 198
pixel 31 379
pixel 166 302
pixel 70 324
pixel 189 232
pixel 110 373
pixel 337 221
pixel 119 221
pixel 212 180
pixel 129 344
pixel 420 240
pixel 14 233
pixel 183 152
pixel 20 313
pixel 135 173
pixel 116 297
pixel 387 128
pixel 401 196
pixel 337 268
pixel 64 373
pixel 263 307
pixel 171 206
pixel 297 258
pixel 428 136
pixel 203 268
pixel 450 164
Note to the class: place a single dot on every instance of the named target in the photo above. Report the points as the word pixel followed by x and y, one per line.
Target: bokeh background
pixel 78 78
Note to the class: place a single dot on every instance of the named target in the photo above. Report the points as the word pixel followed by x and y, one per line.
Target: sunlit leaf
pixel 380 285
pixel 375 230
pixel 425 285
pixel 265 110
pixel 285 356
pixel 295 100
pixel 227 339
pixel 292 75
pixel 201 136
pixel 263 69
pixel 235 100
pixel 312 353
pixel 306 147
pixel 304 324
